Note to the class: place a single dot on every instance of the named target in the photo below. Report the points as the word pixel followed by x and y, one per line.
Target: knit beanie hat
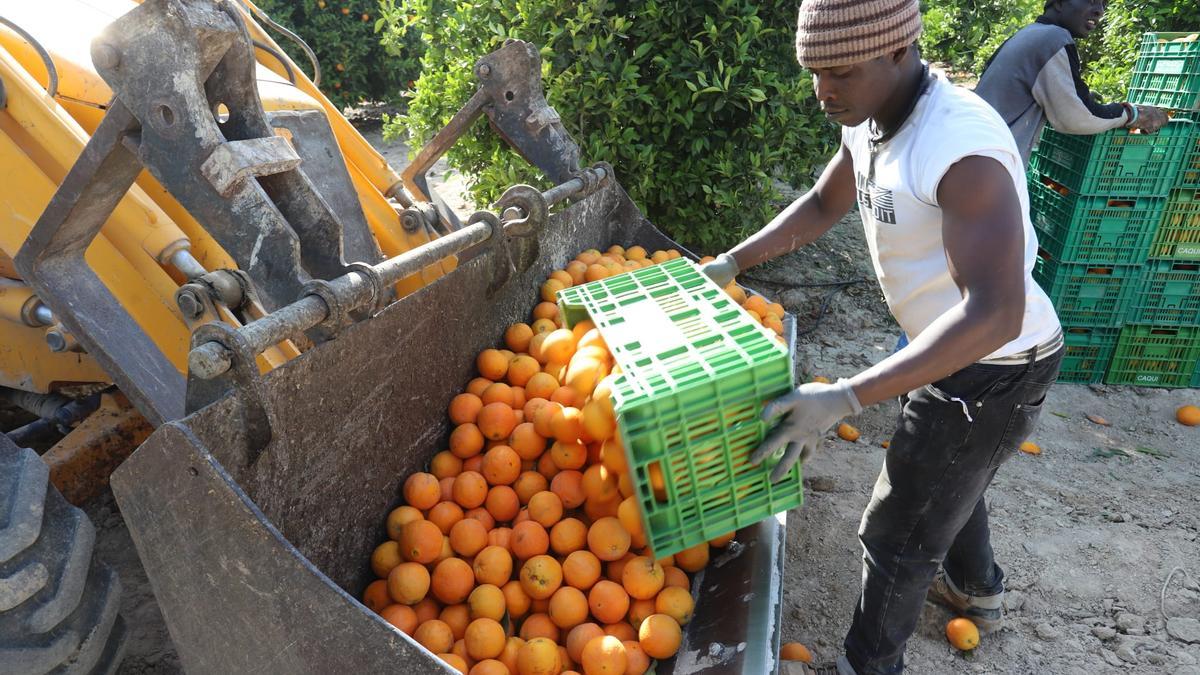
pixel 832 33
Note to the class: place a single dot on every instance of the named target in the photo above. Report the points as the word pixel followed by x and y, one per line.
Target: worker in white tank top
pixel 940 185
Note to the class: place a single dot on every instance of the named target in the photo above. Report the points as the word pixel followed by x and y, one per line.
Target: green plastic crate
pixel 1087 295
pixel 1155 356
pixel 1167 73
pixel 1115 162
pixel 1178 234
pixel 1196 378
pixel 696 370
pixel 1087 354
pixel 1188 177
pixel 1082 229
pixel 1168 295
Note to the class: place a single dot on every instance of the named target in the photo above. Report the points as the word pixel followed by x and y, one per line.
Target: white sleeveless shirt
pixel 902 218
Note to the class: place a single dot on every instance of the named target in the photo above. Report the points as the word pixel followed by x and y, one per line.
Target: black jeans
pixel 928 509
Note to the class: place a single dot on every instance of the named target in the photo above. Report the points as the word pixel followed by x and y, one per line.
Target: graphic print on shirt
pixel 878 200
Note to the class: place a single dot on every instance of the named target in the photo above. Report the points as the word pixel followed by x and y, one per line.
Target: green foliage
pixel 357 62
pixel 965 33
pixel 697 105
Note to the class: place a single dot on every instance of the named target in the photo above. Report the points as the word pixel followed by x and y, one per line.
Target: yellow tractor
pixel 202 259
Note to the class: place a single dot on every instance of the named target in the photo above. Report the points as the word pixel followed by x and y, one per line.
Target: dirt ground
pixel 1087 532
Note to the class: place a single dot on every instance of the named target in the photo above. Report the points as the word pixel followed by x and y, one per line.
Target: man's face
pixel 1081 17
pixel 850 95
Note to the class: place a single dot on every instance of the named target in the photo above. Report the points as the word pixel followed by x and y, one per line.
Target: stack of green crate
pixel 1106 207
pixel 1160 345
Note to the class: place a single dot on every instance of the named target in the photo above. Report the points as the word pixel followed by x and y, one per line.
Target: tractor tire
pixel 58 605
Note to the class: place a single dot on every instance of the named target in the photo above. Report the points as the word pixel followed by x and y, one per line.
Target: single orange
pixel 538 656
pixel 528 484
pixel 847 432
pixel 421 541
pixel 676 603
pixel 422 490
pixel 497 420
pixel 567 536
pixel 568 607
pixel 581 569
pixel 962 634
pixel 539 625
pixel 569 455
pixel 529 539
pixel 401 616
pixel 675 577
pixel 516 600
pixel 600 484
pixel 496 392
pixel 604 655
pixel 643 578
pixel 427 609
pixel 456 662
pixel 545 310
pixel 485 638
pixel 452 581
pixel 545 508
pixel 477 386
pixel 607 539
pixel 493 565
pixel 639 610
pixel 435 636
pixel 466 441
pixel 541 576
pixel 567 426
pixel 488 667
pixel 457 617
pixel 464 408
pixel 608 601
pixel 517 337
pixel 638 660
pixel 501 465
pixel 693 559
pixel 522 369
pixel 794 651
pixel 376 597
pixel 492 364
pixel 468 537
pixel 445 465
pixel 502 503
pixel 445 515
pixel 470 489
pixel 622 630
pixel 660 636
pixel 1188 415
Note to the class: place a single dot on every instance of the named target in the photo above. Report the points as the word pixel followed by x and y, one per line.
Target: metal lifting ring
pixel 531 203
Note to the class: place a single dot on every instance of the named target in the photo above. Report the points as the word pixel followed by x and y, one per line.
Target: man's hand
pixel 1150 119
pixel 722 270
pixel 812 410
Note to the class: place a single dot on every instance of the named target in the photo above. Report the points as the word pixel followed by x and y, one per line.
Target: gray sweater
pixel 1034 77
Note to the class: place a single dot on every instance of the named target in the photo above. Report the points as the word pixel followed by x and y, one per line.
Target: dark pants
pixel 928 509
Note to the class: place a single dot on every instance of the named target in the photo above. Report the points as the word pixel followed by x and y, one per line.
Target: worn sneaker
pixel 986 612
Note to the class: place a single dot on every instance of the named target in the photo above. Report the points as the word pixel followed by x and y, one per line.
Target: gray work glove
pixel 722 270
pixel 1150 119
pixel 812 410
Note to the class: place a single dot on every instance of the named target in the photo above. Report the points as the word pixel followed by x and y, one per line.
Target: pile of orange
pixel 521 550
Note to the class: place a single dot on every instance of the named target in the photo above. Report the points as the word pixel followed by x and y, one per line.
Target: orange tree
pixel 357 62
pixel 698 106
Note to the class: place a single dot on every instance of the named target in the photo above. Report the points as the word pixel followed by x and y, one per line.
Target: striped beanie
pixel 832 33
